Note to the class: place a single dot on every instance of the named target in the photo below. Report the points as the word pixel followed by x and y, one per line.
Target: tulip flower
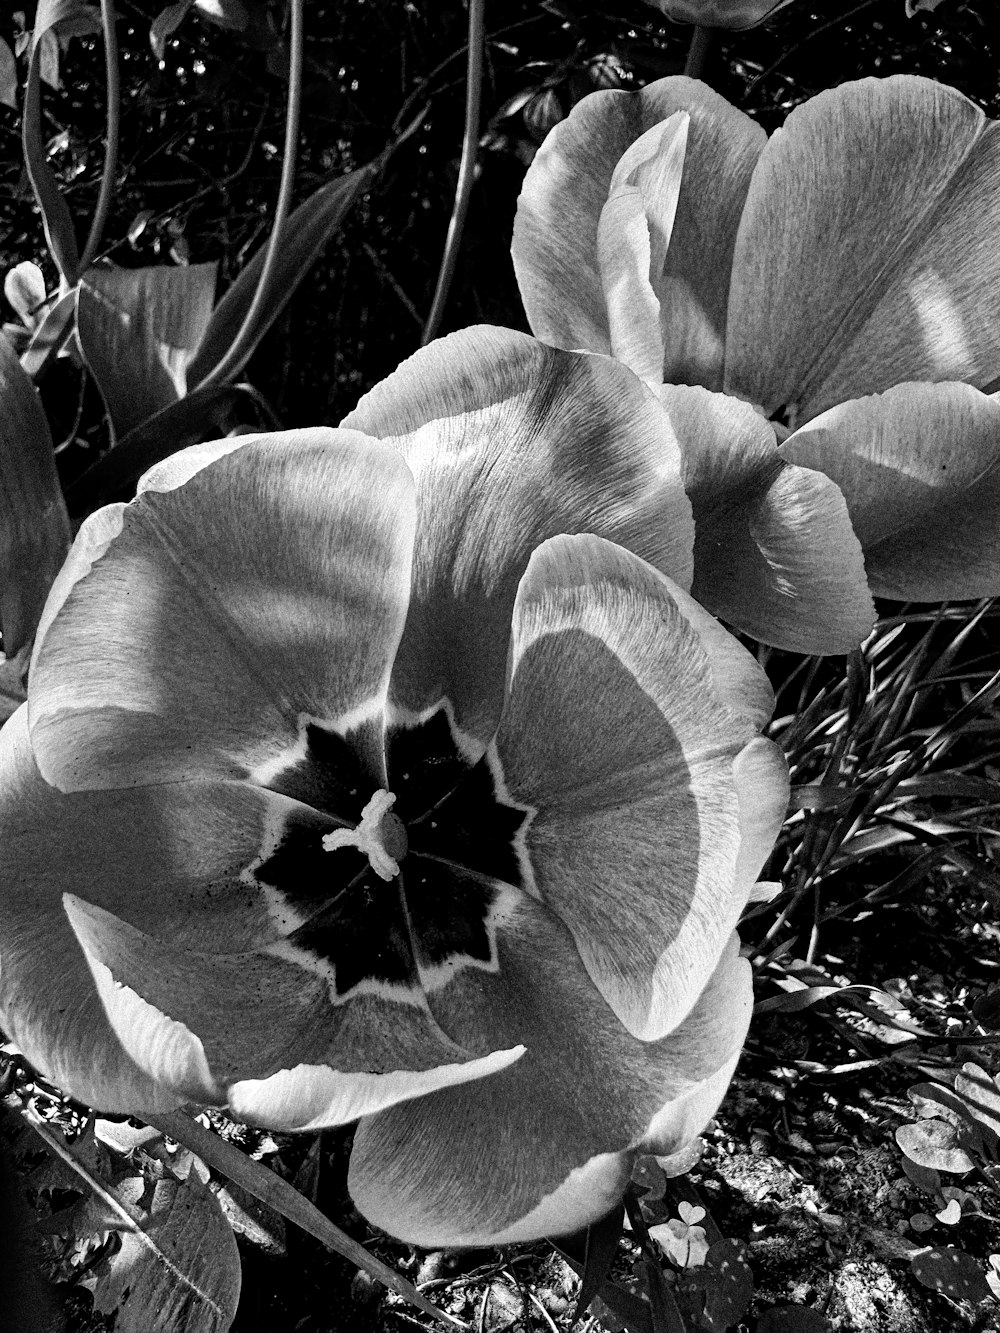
pixel 719 13
pixel 389 772
pixel 743 13
pixel 821 310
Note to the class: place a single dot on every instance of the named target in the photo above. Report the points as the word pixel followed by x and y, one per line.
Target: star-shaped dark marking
pixel 461 840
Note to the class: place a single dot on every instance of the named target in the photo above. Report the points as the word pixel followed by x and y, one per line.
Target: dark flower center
pixel 413 875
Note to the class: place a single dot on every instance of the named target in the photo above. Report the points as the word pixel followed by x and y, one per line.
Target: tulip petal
pixel 774 553
pixel 555 247
pixel 176 976
pixel 510 442
pixel 61 1028
pixel 867 254
pixel 543 1147
pixel 739 14
pixel 623 247
pixel 167 1050
pixel 633 235
pixel 919 467
pixel 628 706
pixel 237 1001
pixel 196 631
pixel 311 1097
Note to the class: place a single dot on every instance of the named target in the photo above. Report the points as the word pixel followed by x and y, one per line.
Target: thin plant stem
pixel 111 142
pixel 701 44
pixel 232 363
pixel 824 27
pixel 466 169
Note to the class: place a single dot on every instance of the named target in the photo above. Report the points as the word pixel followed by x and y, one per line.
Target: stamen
pixel 369 836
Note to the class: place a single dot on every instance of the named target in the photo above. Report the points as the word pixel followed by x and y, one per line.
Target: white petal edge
pixel 311 1097
pixel 168 1051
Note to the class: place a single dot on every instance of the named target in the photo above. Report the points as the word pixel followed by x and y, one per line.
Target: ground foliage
pixel 847 1170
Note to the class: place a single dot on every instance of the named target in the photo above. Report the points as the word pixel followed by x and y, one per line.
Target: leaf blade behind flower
pixel 263 1184
pixel 307 231
pixel 34 527
pixel 138 328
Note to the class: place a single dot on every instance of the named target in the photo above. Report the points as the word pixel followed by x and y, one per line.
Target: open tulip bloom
pixel 390 772
pixel 821 311
pixel 719 13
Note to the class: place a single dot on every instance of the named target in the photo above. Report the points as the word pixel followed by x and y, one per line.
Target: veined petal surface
pixel 774 553
pixel 919 467
pixel 555 246
pixel 511 442
pixel 868 252
pixel 61 1025
pixel 176 978
pixel 195 630
pixel 633 234
pixel 628 706
pixel 545 1146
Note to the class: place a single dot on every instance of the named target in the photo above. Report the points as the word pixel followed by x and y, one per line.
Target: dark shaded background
pixel 201 148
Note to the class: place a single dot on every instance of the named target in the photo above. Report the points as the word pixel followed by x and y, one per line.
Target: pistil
pixel 380 835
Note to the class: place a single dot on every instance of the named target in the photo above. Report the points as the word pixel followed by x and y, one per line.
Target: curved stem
pixel 466 169
pixel 111 144
pixel 701 42
pixel 232 363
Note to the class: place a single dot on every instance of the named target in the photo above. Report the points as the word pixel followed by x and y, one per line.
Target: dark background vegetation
pixel 200 162
pixel 202 135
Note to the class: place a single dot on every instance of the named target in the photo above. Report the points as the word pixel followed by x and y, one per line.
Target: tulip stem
pixel 466 169
pixel 701 42
pixel 111 142
pixel 243 344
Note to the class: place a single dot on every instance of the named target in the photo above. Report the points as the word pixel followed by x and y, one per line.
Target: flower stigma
pixel 381 835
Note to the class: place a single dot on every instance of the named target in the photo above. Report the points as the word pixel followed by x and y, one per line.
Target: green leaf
pixel 934 1144
pixel 982 1097
pixel 50 335
pixel 178 1270
pixel 138 329
pixel 51 16
pixel 932 1101
pixel 793 1319
pixel 307 231
pixel 56 219
pixel 727 1284
pixel 952 1272
pixel 206 414
pixel 630 1309
pixel 820 796
pixel 48 60
pixel 8 76
pixel 230 14
pixel 13 678
pixel 165 25
pixel 92 1214
pixel 600 1245
pixel 986 1009
pixel 34 527
pixel 263 1184
pixel 77 15
pixel 923 1177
